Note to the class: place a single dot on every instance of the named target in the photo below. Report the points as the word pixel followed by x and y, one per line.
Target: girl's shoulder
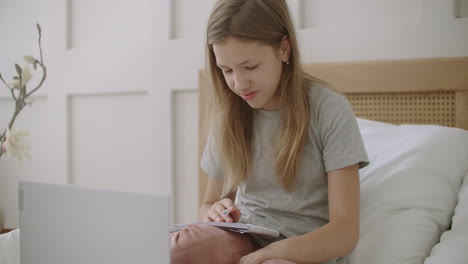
pixel 321 96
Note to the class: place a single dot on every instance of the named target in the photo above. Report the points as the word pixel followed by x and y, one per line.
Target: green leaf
pixel 18 69
pixel 29 59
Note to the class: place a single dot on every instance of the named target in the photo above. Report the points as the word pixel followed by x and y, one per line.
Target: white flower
pixel 4 147
pixel 26 76
pixel 29 59
pixel 16 146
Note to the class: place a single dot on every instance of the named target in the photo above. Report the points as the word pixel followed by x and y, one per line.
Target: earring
pixel 287 63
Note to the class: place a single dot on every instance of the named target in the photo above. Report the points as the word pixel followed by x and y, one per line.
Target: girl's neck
pixel 267 113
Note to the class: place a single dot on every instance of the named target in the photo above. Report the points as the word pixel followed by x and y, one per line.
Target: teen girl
pixel 283 146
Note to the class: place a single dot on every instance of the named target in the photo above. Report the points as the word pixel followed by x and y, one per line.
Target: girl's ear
pixel 285 48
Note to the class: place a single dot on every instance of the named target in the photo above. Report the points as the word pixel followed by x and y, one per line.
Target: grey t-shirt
pixel 333 142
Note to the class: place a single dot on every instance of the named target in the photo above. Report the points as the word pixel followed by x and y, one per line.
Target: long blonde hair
pixel 266 21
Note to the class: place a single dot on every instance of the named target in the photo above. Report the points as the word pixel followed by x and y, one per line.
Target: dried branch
pixel 22 95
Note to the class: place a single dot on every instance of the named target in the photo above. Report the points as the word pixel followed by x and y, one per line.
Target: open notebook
pixel 235 227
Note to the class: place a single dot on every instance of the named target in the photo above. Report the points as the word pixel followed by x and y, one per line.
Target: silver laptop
pixel 67 224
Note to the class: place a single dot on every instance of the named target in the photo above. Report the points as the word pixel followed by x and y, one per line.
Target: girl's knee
pixel 204 244
pixel 186 236
pixel 194 235
pixel 189 244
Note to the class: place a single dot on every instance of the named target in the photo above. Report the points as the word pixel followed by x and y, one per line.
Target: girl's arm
pixel 335 239
pixel 212 206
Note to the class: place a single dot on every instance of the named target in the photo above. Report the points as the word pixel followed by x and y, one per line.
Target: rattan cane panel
pixel 406 108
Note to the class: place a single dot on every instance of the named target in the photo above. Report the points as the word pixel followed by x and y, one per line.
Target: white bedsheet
pixel 453 245
pixel 9 248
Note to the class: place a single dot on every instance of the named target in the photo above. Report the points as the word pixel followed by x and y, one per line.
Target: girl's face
pixel 252 70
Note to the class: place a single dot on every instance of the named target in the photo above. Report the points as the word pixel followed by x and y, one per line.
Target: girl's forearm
pixel 328 242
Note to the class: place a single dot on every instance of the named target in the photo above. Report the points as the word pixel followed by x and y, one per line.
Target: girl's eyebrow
pixel 242 63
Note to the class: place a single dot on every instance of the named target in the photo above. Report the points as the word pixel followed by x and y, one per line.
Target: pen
pixel 228 211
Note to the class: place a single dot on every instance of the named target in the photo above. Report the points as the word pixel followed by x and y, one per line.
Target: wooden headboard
pixel 410 91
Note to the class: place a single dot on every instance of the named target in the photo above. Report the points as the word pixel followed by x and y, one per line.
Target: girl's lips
pixel 249 95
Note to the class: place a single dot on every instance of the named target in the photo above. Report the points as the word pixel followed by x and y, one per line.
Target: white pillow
pixel 454 242
pixel 366 124
pixel 409 190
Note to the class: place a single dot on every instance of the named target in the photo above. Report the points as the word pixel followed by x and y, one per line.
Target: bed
pixel 413 116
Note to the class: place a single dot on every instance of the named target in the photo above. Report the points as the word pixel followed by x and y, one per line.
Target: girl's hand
pixel 260 256
pixel 223 211
pixel 266 255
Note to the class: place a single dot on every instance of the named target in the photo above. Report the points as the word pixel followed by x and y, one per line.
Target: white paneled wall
pixel 107 117
pixel 359 13
pixel 186 57
pixel 370 30
pixel 109 135
pixel 17 26
pixel 185 144
pixel 107 23
pixel 189 18
pixel 119 108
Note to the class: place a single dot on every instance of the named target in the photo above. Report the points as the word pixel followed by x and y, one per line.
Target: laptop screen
pixel 75 225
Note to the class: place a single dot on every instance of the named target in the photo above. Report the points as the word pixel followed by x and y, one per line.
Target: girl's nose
pixel 241 83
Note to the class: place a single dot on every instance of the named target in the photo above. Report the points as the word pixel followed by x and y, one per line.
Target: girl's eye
pixel 227 71
pixel 251 67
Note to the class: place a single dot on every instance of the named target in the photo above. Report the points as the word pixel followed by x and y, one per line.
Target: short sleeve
pixel 210 162
pixel 340 136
